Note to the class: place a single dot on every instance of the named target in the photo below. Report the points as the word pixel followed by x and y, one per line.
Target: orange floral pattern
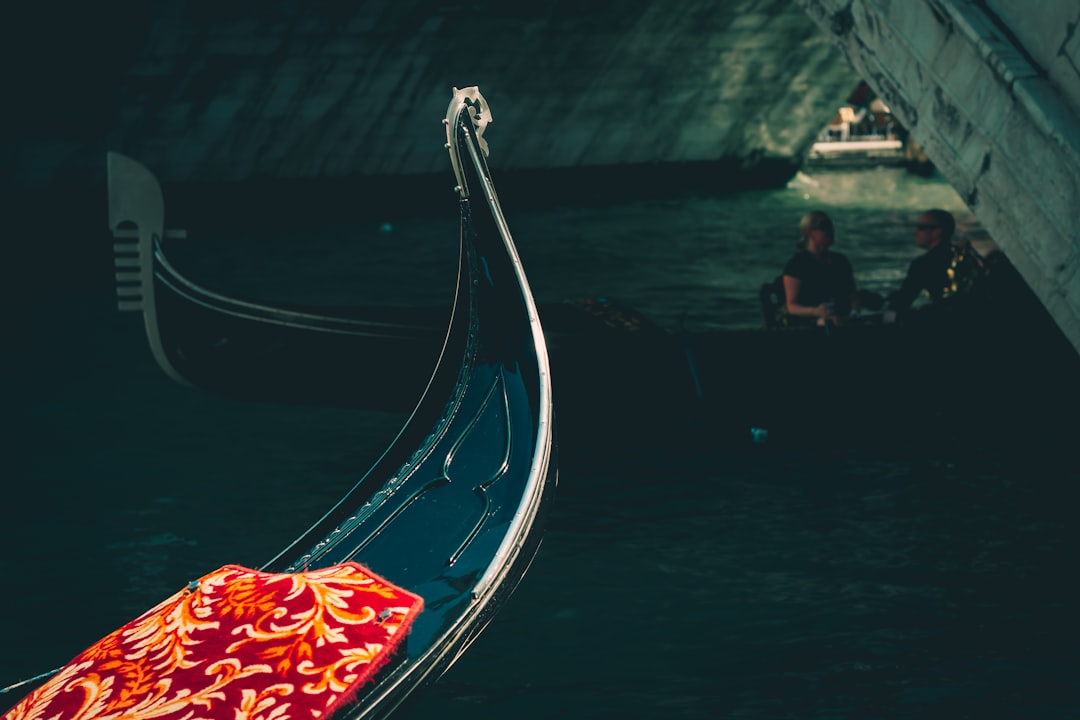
pixel 238 645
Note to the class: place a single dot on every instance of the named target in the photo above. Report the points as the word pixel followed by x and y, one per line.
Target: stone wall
pixel 203 91
pixel 997 117
pixel 719 94
pixel 1050 36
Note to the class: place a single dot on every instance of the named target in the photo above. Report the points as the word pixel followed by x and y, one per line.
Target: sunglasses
pixel 926 226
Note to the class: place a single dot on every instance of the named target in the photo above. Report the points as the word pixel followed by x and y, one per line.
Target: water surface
pixel 740 583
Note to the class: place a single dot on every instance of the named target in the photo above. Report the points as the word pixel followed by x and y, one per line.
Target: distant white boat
pixel 857 153
pixel 865 137
pixel 864 147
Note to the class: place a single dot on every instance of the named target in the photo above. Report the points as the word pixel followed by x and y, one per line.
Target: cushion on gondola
pixel 239 643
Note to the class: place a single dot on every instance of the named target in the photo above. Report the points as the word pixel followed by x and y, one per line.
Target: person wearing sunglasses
pixel 946 270
pixel 819 285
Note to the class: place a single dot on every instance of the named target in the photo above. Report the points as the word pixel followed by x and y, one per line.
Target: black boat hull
pixel 619 380
pixel 454 509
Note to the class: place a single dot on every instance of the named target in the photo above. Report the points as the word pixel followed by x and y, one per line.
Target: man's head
pixel 934 228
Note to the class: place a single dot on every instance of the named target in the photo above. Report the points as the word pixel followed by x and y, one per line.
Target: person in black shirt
pixel 819 285
pixel 945 271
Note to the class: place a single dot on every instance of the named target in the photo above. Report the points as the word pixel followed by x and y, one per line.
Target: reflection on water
pixel 742 583
pixel 699 262
pixel 693 261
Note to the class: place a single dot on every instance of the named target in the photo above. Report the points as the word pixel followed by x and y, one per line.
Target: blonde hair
pixel 813 220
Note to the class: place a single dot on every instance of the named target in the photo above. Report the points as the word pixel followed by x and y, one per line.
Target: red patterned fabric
pixel 242 645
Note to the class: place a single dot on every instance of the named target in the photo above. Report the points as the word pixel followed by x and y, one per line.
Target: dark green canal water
pixel 746 582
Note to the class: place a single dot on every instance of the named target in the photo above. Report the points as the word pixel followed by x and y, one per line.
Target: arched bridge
pixel 717 93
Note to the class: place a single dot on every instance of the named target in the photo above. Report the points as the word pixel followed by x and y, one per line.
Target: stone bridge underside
pixel 991 90
pixel 718 94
